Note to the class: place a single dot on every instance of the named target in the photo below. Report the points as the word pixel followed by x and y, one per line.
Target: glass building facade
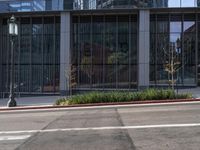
pixel 43 5
pixel 30 5
pixel 101 44
pixel 36 55
pixel 99 4
pixel 177 34
pixel 105 51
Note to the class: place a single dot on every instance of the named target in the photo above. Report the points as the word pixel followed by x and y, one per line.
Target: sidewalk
pixel 32 101
pixel 194 91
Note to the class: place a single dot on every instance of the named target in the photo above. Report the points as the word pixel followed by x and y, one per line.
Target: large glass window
pixel 123 51
pixel 5 55
pixel 25 55
pixel 97 51
pixel 110 51
pixel 85 59
pixel 105 51
pixel 37 55
pixel 174 39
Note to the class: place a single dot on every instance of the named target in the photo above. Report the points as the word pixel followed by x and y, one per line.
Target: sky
pixel 184 3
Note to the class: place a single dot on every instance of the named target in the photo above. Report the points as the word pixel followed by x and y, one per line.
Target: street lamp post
pixel 13 31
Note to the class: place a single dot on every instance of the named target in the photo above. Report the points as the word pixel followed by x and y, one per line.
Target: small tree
pixel 70 74
pixel 172 65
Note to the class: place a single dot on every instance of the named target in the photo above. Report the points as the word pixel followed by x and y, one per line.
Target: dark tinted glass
pixel 104 51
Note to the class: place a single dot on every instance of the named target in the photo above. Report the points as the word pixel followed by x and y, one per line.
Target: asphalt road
pixel 165 127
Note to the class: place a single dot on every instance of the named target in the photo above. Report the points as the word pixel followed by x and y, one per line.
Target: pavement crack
pixel 32 138
pixel 125 131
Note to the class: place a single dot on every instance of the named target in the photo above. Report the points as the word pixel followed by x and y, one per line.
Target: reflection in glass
pixel 24 84
pixel 4 57
pixel 175 27
pixel 43 5
pixel 36 62
pixel 189 56
pixel 123 52
pixel 189 26
pixel 37 78
pixel 188 3
pixel 97 51
pixel 174 3
pixel 108 46
pixel 179 40
pixel 30 5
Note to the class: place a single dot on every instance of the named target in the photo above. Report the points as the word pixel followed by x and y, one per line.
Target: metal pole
pixel 12 102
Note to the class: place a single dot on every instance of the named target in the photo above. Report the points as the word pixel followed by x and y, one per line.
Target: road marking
pixel 104 128
pixel 9 138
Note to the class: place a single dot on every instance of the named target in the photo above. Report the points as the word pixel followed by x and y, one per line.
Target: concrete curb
pixel 97 104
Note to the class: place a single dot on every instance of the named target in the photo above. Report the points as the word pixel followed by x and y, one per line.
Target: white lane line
pixel 9 138
pixel 105 128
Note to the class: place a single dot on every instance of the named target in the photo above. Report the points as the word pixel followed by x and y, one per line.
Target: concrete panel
pixel 147 47
pixel 143 52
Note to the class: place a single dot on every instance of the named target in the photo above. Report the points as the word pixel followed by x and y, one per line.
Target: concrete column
pixel 143 49
pixel 64 51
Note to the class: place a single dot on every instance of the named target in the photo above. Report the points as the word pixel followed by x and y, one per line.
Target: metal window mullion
pixel 72 36
pixel 103 52
pixel 196 48
pixel 183 53
pixel 19 55
pixel 42 54
pixel 116 44
pixel 30 71
pixel 156 49
pixel 8 63
pixel 54 54
pixel 169 51
pixel 137 51
pixel 130 48
pixel 91 52
pixel 79 51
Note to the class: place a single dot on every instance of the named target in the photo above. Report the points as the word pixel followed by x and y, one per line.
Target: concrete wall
pixel 143 49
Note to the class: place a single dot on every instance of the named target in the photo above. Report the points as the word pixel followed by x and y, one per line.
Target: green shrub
pixel 116 96
pixel 61 101
pixel 184 96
